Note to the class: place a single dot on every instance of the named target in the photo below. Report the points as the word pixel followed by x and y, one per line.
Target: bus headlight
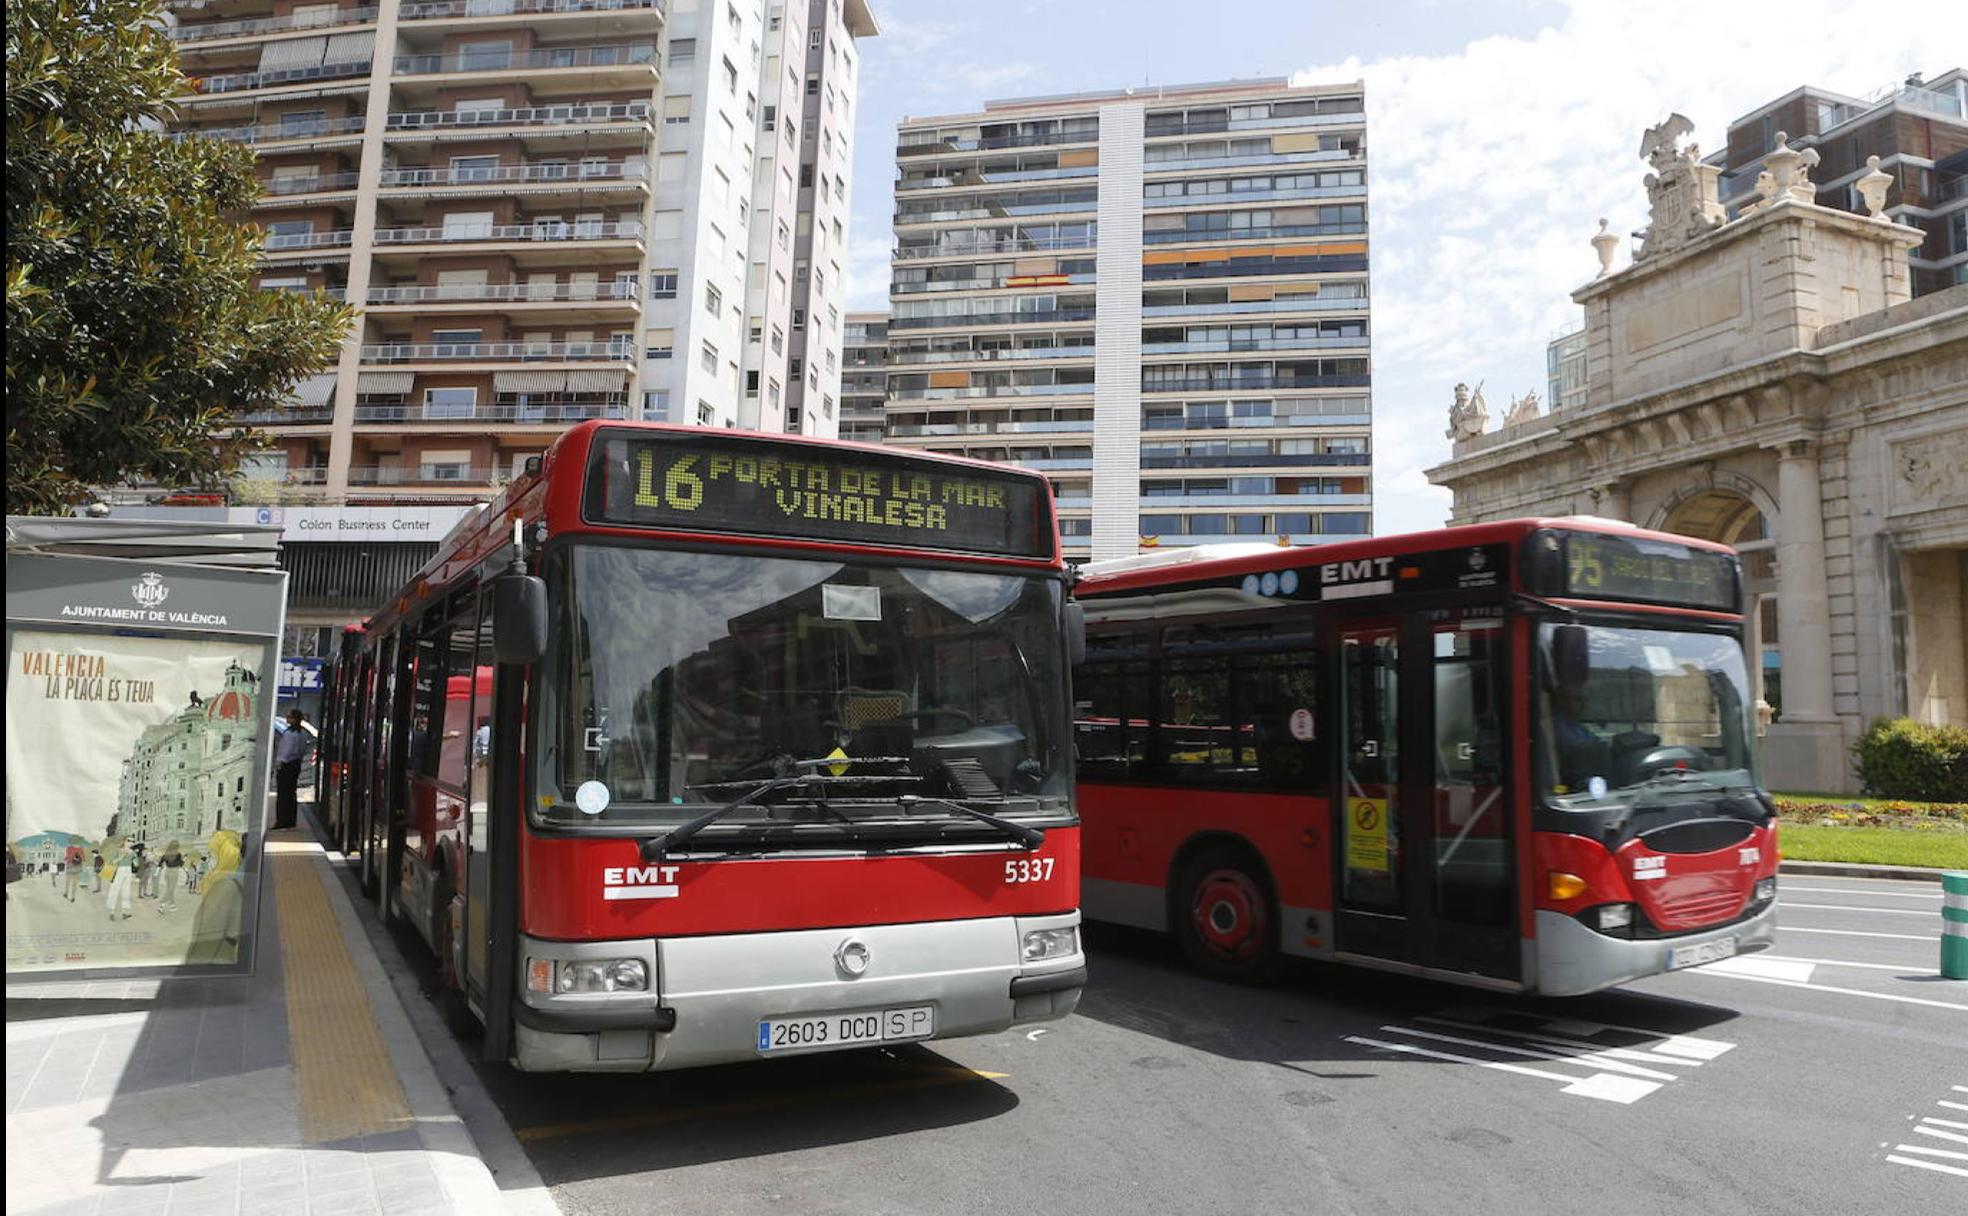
pixel 601 975
pixel 1766 889
pixel 1615 916
pixel 1042 944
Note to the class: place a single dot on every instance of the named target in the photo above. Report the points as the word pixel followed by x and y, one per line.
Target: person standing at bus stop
pixel 288 753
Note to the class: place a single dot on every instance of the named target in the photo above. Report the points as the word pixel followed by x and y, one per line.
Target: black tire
pixel 1226 916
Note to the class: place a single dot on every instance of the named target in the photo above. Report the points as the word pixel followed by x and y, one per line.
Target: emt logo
pixel 639 882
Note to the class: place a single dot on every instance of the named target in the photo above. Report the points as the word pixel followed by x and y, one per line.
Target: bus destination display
pixel 1628 568
pixel 780 489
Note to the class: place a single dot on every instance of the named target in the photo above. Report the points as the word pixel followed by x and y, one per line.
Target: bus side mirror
pixel 1074 621
pixel 519 618
pixel 1571 657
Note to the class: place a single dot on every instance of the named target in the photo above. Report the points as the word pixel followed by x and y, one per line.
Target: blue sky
pixel 1498 134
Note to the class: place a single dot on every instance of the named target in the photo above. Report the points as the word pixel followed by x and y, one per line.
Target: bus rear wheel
pixel 1226 918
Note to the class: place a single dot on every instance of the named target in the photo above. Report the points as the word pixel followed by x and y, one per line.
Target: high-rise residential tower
pixel 864 376
pixel 546 211
pixel 1159 295
pixel 1918 129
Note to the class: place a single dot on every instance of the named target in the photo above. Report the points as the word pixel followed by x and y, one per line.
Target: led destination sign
pixel 1633 568
pixel 764 488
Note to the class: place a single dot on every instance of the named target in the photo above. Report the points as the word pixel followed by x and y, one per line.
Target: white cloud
pixel 1490 167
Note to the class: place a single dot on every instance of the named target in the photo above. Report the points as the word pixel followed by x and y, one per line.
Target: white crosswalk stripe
pixel 1948 1157
pixel 1621 1064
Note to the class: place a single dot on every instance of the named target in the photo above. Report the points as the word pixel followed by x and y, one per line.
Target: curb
pixel 458 1122
pixel 1852 869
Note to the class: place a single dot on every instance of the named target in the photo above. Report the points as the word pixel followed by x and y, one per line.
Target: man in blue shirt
pixel 288 751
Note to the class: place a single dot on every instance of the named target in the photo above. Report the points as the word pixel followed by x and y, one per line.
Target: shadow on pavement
pixel 1140 983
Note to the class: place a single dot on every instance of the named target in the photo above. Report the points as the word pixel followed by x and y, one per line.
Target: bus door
pixel 1421 816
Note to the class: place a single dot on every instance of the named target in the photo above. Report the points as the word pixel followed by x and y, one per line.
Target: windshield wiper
pixel 1030 837
pixel 656 846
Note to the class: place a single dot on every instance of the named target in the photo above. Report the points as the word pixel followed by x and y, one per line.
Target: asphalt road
pixel 1828 1075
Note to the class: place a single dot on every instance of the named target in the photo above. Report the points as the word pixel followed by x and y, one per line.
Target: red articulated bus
pixel 698 746
pixel 1516 755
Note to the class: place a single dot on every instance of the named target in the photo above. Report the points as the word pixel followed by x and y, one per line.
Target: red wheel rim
pixel 1229 914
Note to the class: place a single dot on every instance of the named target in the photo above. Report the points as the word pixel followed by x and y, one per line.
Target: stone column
pixel 1613 500
pixel 1806 750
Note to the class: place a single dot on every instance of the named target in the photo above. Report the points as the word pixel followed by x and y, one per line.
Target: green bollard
pixel 1954 925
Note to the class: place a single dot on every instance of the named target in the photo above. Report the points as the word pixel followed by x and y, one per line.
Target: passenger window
pixel 1114 711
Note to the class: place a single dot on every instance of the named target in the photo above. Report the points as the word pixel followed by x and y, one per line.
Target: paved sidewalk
pixel 301 1089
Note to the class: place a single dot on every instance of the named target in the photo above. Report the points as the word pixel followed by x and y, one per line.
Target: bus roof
pixel 1218 561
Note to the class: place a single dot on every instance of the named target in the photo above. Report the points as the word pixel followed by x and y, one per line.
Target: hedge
pixel 1901 758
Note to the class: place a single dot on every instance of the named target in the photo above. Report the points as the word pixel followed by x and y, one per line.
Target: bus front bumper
pixel 712 993
pixel 1573 960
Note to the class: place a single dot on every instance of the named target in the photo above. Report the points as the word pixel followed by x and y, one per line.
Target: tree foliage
pixel 134 331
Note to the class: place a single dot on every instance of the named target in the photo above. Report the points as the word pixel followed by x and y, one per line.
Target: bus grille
pixel 1700 907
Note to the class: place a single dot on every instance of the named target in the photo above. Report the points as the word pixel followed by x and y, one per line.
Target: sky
pixel 1498 134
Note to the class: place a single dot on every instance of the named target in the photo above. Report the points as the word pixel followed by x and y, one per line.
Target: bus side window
pixel 454 741
pixel 1274 686
pixel 1114 706
pixel 427 704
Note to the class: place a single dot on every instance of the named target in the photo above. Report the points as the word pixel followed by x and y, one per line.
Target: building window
pixel 707 358
pixel 730 77
pixel 682 51
pixel 799 320
pixel 450 402
pixel 662 284
pixel 713 300
pixel 676 110
pixel 778 340
pixel 769 118
pixel 706 416
pixel 752 383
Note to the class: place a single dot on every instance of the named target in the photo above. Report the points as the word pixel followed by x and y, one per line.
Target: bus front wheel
pixel 1226 918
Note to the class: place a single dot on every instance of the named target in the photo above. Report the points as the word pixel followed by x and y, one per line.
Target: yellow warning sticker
pixel 1366 834
pixel 842 757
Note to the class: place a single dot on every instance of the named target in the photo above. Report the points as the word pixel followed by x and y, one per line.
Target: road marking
pixel 1840 962
pixel 926 1078
pixel 1673 1044
pixel 1033 1036
pixel 1585 1054
pixel 1924 1151
pixel 1791 903
pixel 1955 1105
pixel 1877 996
pixel 1604 1086
pixel 1924 1130
pixel 1898 937
pixel 1927 1165
pixel 1623 1053
pixel 1762 965
pixel 1848 891
pixel 1944 1122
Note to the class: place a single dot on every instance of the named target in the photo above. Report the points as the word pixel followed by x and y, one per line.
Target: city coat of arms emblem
pixel 150 590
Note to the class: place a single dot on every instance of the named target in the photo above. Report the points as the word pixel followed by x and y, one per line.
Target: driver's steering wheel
pixel 1660 759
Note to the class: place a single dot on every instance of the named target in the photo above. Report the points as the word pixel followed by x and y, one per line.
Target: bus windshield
pixel 1659 711
pixel 690 680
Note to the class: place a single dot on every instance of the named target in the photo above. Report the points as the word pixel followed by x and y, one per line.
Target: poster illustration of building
pixel 132 798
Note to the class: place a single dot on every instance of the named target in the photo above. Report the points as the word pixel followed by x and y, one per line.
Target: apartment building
pixel 864 377
pixel 1159 296
pixel 1919 131
pixel 546 210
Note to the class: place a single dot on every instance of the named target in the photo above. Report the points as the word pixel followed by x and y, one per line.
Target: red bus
pixel 698 746
pixel 1516 755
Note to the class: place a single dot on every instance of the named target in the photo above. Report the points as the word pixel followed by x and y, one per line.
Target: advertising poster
pixel 135 790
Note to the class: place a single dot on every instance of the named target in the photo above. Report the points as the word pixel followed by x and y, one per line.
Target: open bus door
pixel 1424 861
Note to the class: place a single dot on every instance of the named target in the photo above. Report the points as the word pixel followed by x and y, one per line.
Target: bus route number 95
pixel 1028 869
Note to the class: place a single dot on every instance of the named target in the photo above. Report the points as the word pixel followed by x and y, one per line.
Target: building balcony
pixel 581 120
pixel 640 56
pixel 491 11
pixel 462 476
pixel 531 413
pixel 1254 345
pixel 974 177
pixel 1050 280
pixel 1297 461
pixel 1304 303
pixel 938 429
pixel 300 242
pixel 1163 502
pixel 911 217
pixel 592 176
pixel 942 147
pixel 1185 236
pixel 207 86
pixel 556 231
pixel 280 191
pixel 917 358
pixel 912 253
pixel 980 320
pixel 1210 126
pixel 1255 384
pixel 1227 161
pixel 252 27
pixel 292 415
pixel 498 352
pixel 1253 268
pixel 624 293
pixel 1006 390
pixel 313 131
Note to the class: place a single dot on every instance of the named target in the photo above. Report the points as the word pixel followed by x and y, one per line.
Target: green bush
pixel 1901 758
